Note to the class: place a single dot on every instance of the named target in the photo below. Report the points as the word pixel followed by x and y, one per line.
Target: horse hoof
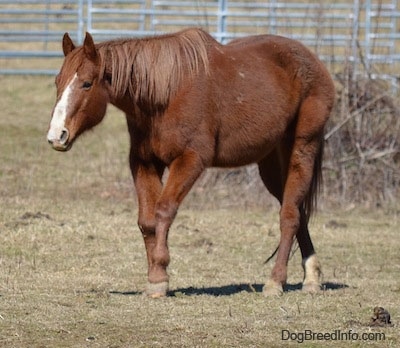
pixel 311 288
pixel 272 288
pixel 156 290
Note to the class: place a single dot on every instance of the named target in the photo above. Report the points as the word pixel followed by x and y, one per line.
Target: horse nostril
pixel 64 136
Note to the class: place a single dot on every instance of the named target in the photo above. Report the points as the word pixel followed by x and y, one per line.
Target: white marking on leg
pixel 60 113
pixel 312 274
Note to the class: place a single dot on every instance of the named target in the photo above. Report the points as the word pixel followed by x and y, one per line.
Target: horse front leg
pixel 183 172
pixel 147 178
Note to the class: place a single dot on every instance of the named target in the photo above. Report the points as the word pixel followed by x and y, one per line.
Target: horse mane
pixel 152 69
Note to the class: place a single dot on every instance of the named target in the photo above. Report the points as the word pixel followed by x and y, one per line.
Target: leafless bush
pixel 362 162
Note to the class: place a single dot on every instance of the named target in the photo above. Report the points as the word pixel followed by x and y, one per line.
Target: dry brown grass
pixel 72 263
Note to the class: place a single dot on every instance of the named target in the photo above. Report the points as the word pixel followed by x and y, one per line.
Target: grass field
pixel 72 261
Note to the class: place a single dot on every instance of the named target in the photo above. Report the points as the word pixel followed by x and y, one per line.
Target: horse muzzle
pixel 62 143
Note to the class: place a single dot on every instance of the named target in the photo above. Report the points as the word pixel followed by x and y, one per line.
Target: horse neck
pixel 150 72
pixel 138 119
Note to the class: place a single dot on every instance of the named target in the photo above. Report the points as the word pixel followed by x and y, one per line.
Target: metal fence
pixel 364 33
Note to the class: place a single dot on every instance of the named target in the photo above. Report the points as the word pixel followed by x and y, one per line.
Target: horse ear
pixel 89 47
pixel 67 44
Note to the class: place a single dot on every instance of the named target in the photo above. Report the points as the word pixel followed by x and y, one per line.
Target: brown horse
pixel 192 103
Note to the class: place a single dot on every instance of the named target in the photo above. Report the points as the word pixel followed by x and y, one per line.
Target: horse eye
pixel 86 85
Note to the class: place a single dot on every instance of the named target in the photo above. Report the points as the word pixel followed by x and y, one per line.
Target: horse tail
pixel 310 201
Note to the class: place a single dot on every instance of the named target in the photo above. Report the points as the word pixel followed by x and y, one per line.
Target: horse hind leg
pixel 273 170
pixel 310 263
pixel 317 113
pixel 297 192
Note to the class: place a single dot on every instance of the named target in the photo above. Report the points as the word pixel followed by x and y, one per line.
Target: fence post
pixel 354 37
pixel 81 23
pixel 221 27
pixel 272 16
pixel 368 31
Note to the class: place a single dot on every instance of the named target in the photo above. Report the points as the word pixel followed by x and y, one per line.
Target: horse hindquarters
pixel 298 189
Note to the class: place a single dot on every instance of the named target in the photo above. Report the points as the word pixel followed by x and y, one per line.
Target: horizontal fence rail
pixel 362 33
pixel 30 31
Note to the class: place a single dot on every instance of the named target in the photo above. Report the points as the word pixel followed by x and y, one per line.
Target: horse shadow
pixel 232 289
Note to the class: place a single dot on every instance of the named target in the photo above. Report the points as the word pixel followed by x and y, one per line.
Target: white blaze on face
pixel 60 113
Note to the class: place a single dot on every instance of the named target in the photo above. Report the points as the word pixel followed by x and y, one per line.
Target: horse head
pixel 82 94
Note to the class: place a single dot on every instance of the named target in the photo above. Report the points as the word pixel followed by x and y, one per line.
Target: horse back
pixel 288 54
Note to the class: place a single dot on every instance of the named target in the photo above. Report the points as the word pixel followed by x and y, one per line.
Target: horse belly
pixel 254 115
pixel 246 144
